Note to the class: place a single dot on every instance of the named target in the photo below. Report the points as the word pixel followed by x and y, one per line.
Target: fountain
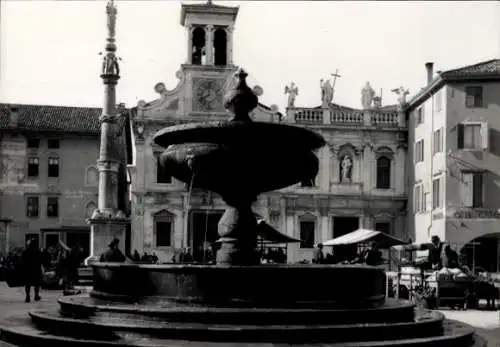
pixel 237 302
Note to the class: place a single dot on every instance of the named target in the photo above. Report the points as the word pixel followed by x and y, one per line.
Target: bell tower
pixel 209 63
pixel 209 30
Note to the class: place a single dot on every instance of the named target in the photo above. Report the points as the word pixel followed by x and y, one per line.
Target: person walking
pixel 32 260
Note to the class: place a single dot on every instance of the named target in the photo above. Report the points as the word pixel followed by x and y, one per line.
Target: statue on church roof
pixel 326 93
pixel 367 95
pixel 111 14
pixel 292 92
pixel 402 93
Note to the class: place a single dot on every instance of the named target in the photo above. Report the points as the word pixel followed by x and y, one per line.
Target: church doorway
pixel 342 226
pixel 203 227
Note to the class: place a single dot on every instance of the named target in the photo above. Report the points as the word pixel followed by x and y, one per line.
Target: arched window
pixel 199 50
pixel 220 47
pixel 383 173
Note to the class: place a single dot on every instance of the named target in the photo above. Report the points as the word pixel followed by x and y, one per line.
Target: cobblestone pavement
pixel 12 303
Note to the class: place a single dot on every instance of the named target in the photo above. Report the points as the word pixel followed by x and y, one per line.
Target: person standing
pixel 319 257
pixel 435 250
pixel 113 254
pixel 32 260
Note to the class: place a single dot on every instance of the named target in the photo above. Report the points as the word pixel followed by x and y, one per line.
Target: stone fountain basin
pixel 247 170
pixel 244 157
pixel 311 286
pixel 269 136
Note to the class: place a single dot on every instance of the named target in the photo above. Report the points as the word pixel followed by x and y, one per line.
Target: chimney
pixel 13 116
pixel 430 72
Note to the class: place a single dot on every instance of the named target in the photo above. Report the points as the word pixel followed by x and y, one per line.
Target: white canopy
pixel 365 235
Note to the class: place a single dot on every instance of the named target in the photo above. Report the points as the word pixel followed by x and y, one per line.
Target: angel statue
pixel 367 95
pixel 111 13
pixel 326 92
pixel 292 92
pixel 402 93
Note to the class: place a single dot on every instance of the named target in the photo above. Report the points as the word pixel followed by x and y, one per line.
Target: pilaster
pixel 210 44
pixel 189 29
pixel 229 49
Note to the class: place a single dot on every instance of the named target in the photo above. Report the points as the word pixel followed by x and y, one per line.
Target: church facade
pixel 361 182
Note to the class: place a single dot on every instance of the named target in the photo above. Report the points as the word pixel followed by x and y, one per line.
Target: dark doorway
pixel 203 228
pixel 198 46
pixel 51 240
pixel 82 239
pixel 342 226
pixel 481 253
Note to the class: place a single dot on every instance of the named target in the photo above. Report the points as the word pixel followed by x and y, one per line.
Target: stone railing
pixel 318 116
pixel 387 118
pixel 346 117
pixel 308 116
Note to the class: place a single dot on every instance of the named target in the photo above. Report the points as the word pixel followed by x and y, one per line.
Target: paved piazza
pixel 12 304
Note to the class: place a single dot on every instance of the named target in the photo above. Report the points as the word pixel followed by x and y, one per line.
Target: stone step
pixel 23 334
pixel 84 305
pixel 429 324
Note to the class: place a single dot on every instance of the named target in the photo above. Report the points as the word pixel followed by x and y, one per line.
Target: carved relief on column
pixel 210 44
pixel 229 49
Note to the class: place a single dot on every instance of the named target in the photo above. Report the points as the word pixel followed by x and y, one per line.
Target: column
pixel 229 49
pixel 209 44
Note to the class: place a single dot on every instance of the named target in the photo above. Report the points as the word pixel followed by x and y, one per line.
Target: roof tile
pixel 485 68
pixel 53 118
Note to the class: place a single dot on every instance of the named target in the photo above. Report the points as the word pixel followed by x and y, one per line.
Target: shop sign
pixel 474 214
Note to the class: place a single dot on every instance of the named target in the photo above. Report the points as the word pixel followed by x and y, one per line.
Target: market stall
pixel 270 238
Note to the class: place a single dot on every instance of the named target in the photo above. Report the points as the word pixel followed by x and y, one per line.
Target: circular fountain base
pixel 236 306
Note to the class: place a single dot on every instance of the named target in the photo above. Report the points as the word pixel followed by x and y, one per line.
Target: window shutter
pixel 477 190
pixel 484 135
pixel 460 136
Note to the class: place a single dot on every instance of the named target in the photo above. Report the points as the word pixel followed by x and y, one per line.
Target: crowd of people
pixel 349 254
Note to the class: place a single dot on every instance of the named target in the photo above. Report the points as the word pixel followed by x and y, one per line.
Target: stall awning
pixel 364 236
pixel 268 234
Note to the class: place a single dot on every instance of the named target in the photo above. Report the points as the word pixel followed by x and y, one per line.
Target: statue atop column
pixel 367 95
pixel 110 65
pixel 292 92
pixel 326 93
pixel 402 93
pixel 111 16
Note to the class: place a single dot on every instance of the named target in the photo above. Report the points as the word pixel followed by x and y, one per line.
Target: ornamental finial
pixel 111 14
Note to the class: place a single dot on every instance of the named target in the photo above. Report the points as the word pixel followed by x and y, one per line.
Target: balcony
pixel 379 118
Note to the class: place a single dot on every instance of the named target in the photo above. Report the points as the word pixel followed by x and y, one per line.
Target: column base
pixel 102 232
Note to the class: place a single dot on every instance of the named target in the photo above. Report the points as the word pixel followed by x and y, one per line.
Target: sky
pixel 49 49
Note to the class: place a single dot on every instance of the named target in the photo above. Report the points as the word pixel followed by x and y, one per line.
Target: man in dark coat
pixel 434 257
pixel 113 254
pixel 32 260
pixel 319 257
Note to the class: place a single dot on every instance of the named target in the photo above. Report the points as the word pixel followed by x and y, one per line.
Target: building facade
pixel 361 181
pixel 49 178
pixel 454 161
